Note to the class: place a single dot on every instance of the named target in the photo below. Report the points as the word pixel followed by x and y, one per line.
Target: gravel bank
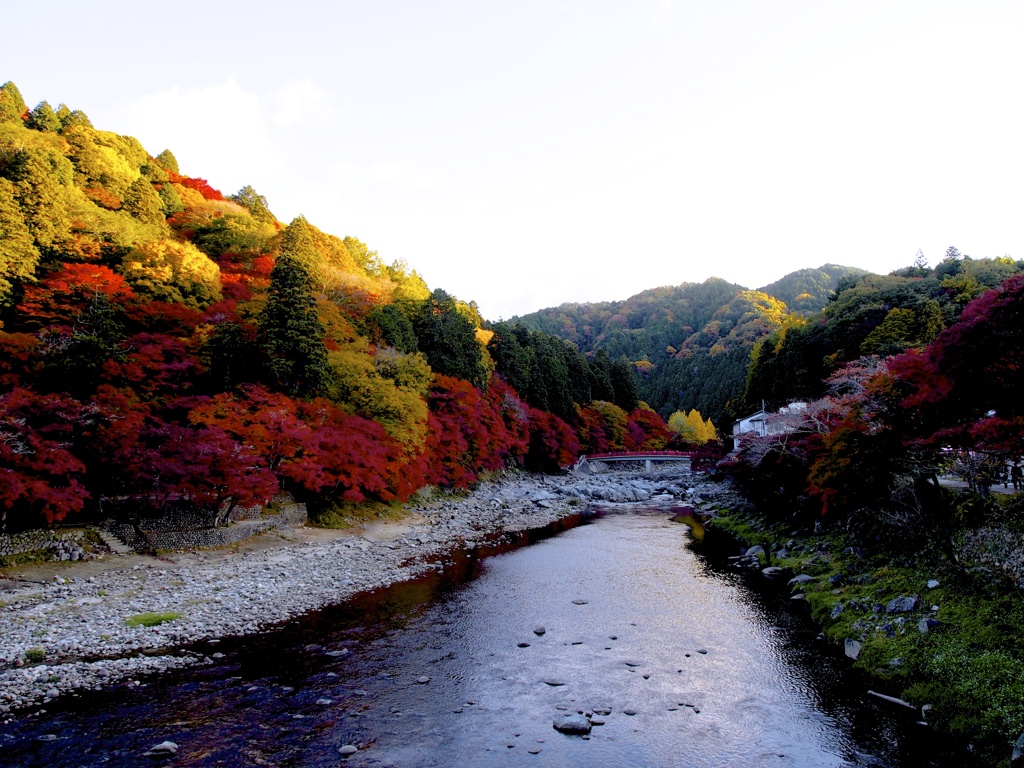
pixel 73 633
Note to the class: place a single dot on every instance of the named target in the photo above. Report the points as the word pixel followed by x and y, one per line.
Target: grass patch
pixel 970 668
pixel 150 619
pixel 343 515
pixel 35 655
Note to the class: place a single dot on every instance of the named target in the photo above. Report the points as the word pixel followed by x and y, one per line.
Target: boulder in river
pixel 163 748
pixel 573 724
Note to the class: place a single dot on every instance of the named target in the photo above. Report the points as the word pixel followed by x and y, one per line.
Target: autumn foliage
pixel 162 344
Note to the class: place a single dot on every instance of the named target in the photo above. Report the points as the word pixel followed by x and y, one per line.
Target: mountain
pixel 807 291
pixel 690 343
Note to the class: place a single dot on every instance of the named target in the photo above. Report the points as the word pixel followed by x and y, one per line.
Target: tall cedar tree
pixel 291 333
pixel 448 340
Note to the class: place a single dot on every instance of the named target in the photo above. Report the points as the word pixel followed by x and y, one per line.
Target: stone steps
pixel 114 544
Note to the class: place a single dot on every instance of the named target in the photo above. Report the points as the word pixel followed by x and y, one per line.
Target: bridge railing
pixel 638 455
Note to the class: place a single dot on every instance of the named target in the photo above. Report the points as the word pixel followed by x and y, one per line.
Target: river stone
pixel 852 648
pixel 579 602
pixel 771 571
pixel 629 712
pixel 423 680
pixel 574 724
pixel 348 749
pixel 754 551
pixel 1017 758
pixel 523 645
pixel 924 626
pixel 539 631
pixel 554 683
pixel 901 604
pixel 47 737
pixel 163 748
pixel 803 578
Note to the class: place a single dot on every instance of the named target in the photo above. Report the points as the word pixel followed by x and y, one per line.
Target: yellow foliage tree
pixel 389 393
pixel 692 427
pixel 173 271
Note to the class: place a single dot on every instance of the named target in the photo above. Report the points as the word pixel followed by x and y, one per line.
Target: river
pixel 692 666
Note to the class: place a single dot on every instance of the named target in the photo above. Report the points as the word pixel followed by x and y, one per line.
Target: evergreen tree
pixel 290 332
pixel 231 358
pixel 601 368
pixel 171 200
pixel 624 384
pixel 390 327
pixel 18 254
pixel 75 117
pixel 39 178
pixel 581 379
pixel 297 241
pixel 449 340
pixel 512 361
pixel 168 161
pixel 143 202
pixel 12 106
pixel 43 118
pixel 248 198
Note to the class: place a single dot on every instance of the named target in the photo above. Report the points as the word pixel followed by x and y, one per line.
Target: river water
pixel 695 668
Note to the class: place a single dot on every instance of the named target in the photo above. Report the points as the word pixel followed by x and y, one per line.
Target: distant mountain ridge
pixel 807 291
pixel 690 343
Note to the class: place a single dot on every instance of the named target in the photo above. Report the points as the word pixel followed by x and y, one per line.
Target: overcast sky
pixel 525 153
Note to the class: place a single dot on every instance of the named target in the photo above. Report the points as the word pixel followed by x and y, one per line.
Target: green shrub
pixel 150 619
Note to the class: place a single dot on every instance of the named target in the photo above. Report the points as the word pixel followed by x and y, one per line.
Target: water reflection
pixel 693 670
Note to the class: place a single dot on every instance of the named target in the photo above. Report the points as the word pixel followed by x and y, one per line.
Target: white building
pixel 763 423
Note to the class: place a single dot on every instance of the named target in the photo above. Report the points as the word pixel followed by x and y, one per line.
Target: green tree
pixel 173 271
pixel 601 368
pixel 624 384
pixel 75 117
pixel 449 340
pixel 43 118
pixel 168 161
pixel 512 360
pixel 389 326
pixel 18 253
pixel 144 203
pixel 231 357
pixel 247 197
pixel 298 242
pixel 41 177
pixel 12 106
pixel 171 200
pixel 291 334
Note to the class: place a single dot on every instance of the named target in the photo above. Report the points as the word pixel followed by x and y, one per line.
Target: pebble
pixel 347 750
pixel 423 680
pixel 254 589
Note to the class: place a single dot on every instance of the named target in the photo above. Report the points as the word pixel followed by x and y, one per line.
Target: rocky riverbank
pixel 90 627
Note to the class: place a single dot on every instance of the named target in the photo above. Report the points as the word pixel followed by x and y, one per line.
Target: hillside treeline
pixel 162 341
pixel 724 350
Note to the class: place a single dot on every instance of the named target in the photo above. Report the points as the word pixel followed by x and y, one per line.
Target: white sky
pixel 526 153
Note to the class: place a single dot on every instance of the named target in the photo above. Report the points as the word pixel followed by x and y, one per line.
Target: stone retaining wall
pixel 59 545
pixel 164 536
pixel 997 548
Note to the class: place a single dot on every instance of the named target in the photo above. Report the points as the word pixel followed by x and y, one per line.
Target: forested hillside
pixel 165 343
pixel 808 290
